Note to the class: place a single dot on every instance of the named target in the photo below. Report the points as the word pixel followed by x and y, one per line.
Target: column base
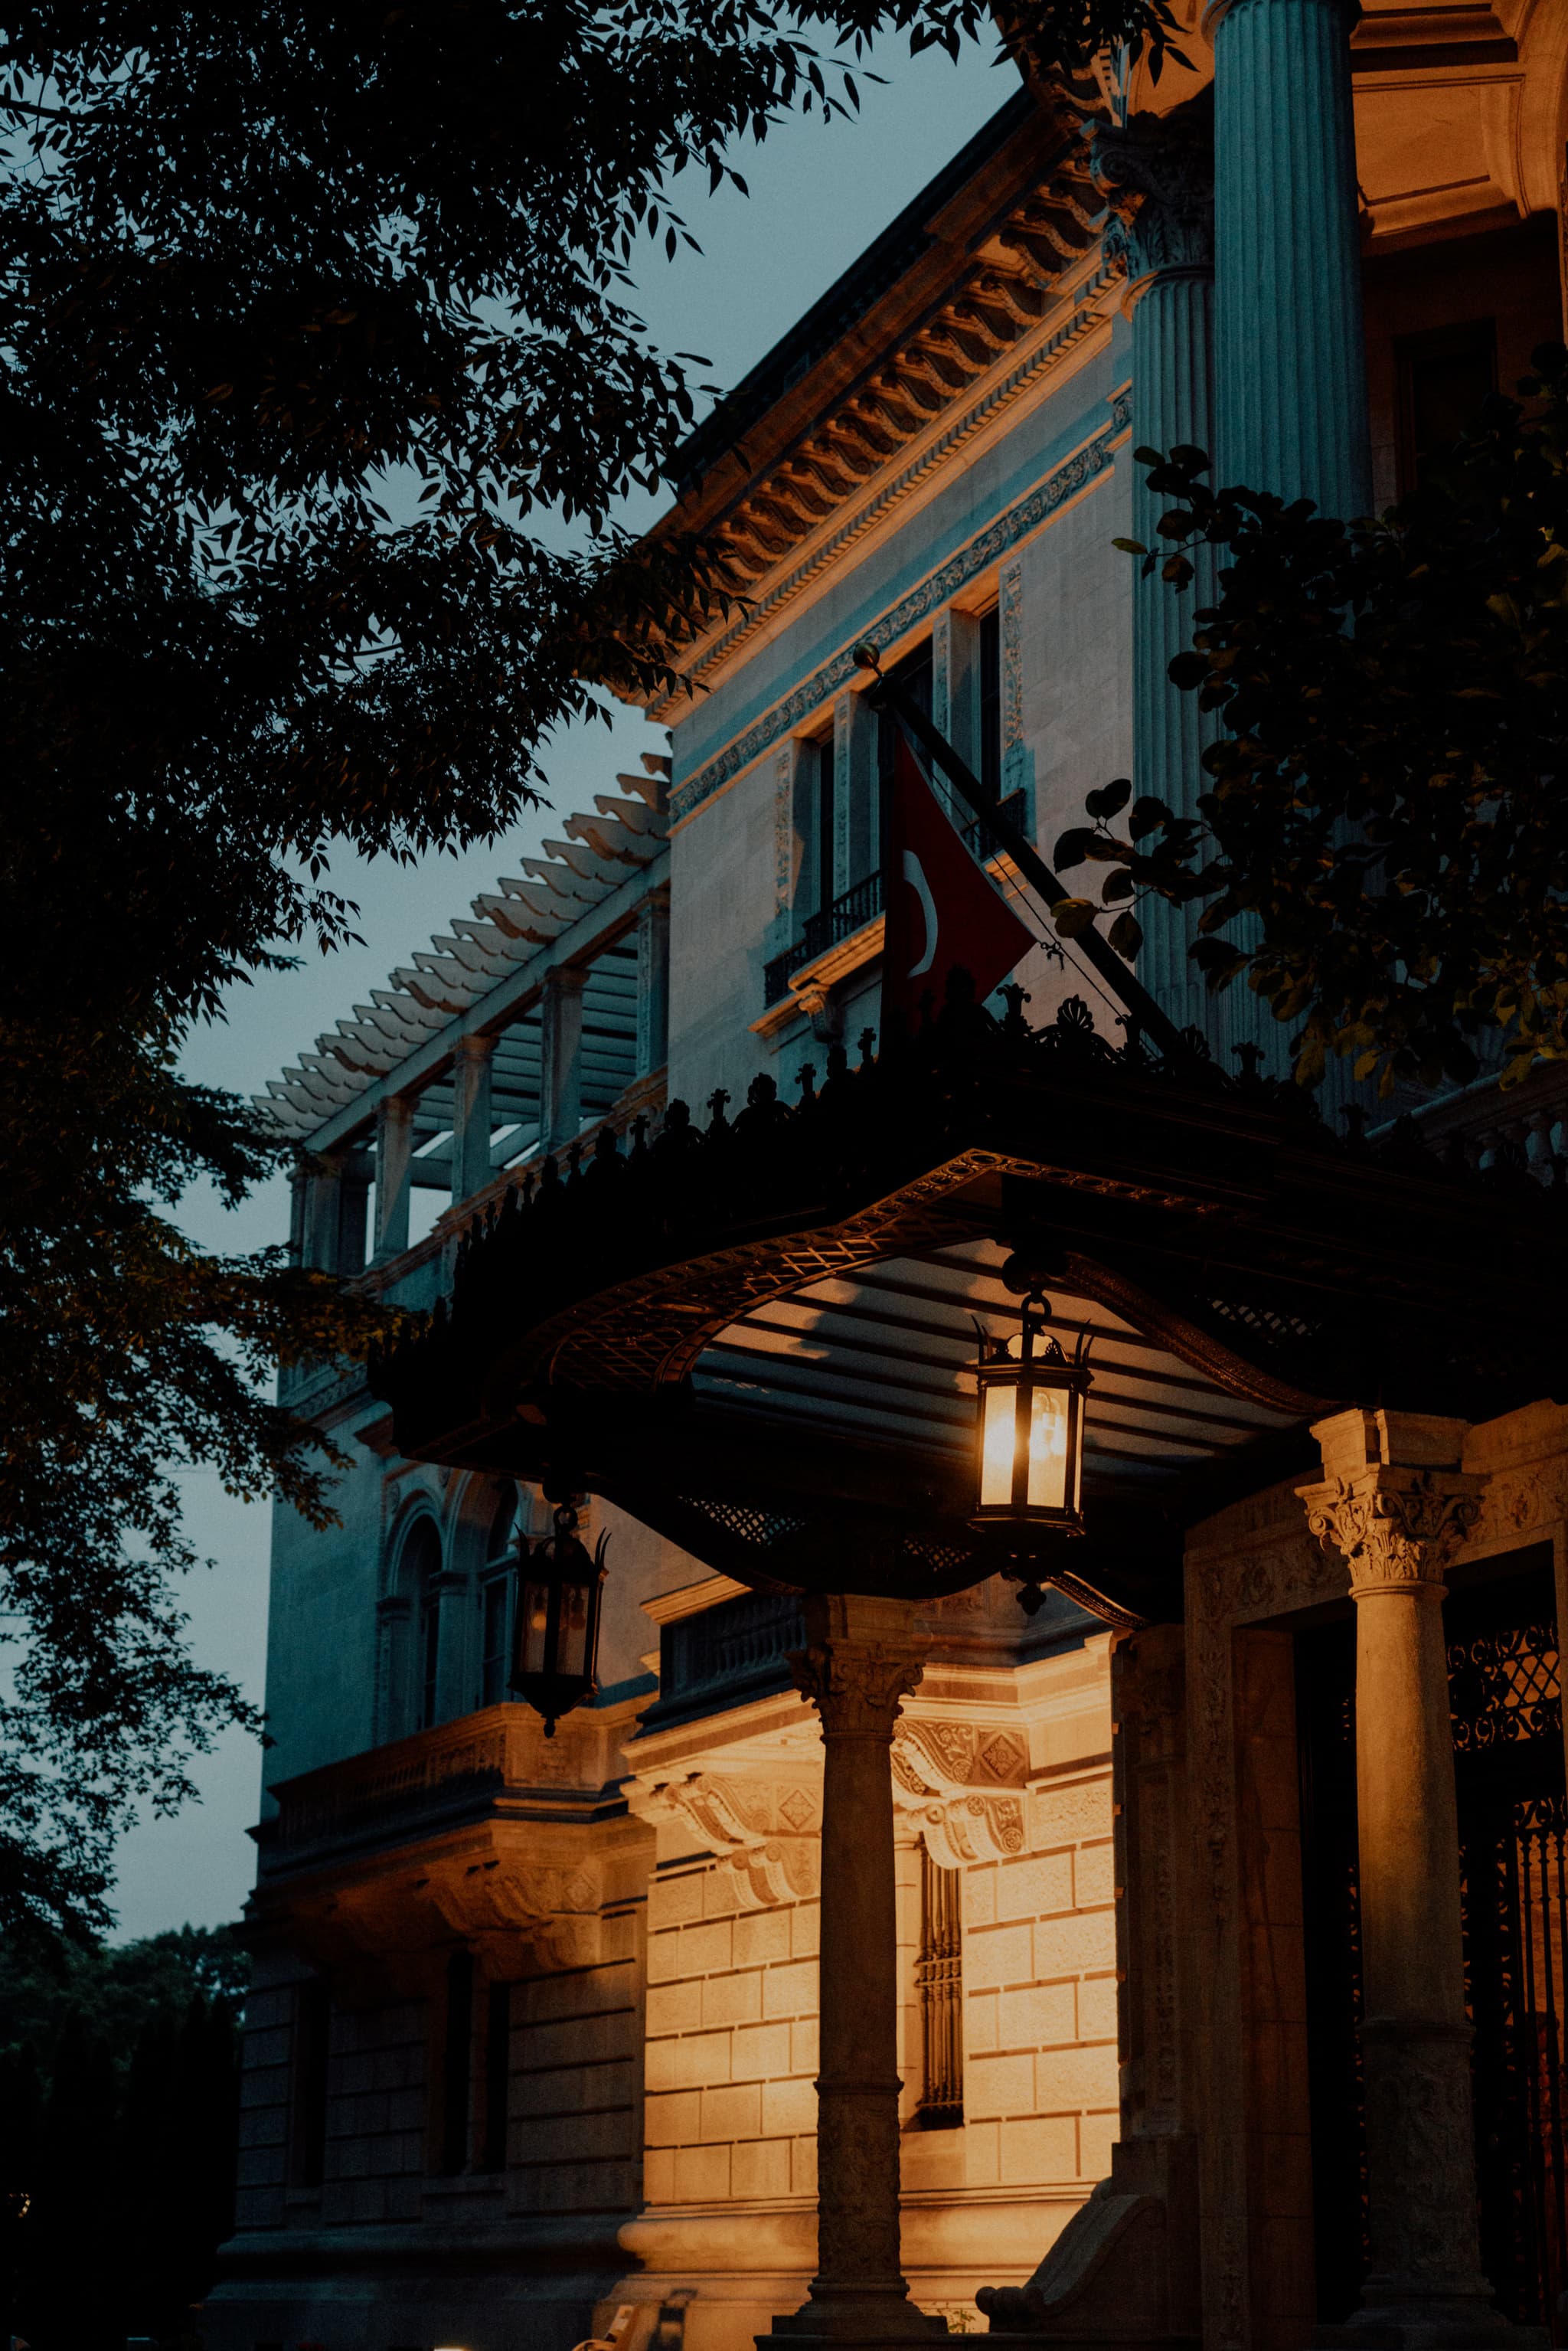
pixel 868 2321
pixel 1450 2330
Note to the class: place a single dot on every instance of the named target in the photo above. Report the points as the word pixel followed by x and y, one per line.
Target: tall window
pixel 939 1975
pixel 825 818
pixel 1444 377
pixel 457 2069
pixel 419 1577
pixel 429 1644
pixel 496 1625
pixel 914 674
pixel 989 698
pixel 497 2075
pixel 496 1601
pixel 312 2043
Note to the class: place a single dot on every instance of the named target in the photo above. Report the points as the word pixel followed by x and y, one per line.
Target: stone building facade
pixel 536 2046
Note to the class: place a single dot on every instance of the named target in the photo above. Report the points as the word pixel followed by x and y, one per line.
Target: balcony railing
pixel 724 1656
pixel 846 915
pixel 862 904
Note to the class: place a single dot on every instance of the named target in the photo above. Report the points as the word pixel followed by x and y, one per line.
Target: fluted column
pixel 1290 347
pixel 1159 172
pixel 862 1657
pixel 1395 1501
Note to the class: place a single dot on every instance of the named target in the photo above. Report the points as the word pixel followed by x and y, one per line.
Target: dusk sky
pixel 819 194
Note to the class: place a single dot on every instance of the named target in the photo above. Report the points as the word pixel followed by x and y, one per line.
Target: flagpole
pixel 1125 984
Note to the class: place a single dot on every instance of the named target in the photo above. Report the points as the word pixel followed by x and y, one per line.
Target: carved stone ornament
pixel 952 1787
pixel 1396 1527
pixel 766 1830
pixel 856 1685
pixel 1159 171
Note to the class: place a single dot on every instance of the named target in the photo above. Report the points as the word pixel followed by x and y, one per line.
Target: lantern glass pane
pixel 1048 1429
pixel 573 1652
pixel 997 1428
pixel 534 1627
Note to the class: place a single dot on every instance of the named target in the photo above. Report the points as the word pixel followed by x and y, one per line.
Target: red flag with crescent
pixel 943 914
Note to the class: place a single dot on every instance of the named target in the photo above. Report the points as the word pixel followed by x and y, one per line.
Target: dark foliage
pixel 118 2102
pixel 1385 809
pixel 319 386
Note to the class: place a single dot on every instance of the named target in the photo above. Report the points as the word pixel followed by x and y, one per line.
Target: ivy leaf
pixel 1107 799
pixel 1074 916
pixel 1073 846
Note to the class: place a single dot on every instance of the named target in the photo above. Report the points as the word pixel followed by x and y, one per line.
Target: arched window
pixel 495 1600
pixel 419 1570
pixel 499 1541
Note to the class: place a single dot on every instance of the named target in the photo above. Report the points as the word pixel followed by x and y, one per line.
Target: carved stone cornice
pixel 1158 173
pixel 1398 1529
pixel 950 1759
pixel 959 1787
pixel 765 1830
pixel 858 1687
pixel 392 1920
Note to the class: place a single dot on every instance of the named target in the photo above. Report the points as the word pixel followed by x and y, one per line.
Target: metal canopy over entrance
pixel 885 1354
pixel 756 1337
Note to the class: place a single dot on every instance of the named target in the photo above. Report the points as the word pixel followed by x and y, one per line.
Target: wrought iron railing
pixel 709 1661
pixel 862 904
pixel 982 841
pixel 847 915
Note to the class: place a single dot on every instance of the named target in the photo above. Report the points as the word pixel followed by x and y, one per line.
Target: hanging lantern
pixel 556 1649
pixel 1029 1428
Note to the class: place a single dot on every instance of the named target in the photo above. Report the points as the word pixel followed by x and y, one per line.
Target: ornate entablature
pixel 950 318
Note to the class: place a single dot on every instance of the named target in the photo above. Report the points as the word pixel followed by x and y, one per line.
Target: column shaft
pixel 1172 330
pixel 324 1207
pixel 858 2085
pixel 471 1069
pixel 1397 1510
pixel 1159 173
pixel 862 1659
pixel 560 1057
pixel 1290 345
pixel 395 1150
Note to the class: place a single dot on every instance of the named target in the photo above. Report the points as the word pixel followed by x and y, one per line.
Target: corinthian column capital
pixel 1397 1527
pixel 862 1657
pixel 856 1685
pixel 1157 171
